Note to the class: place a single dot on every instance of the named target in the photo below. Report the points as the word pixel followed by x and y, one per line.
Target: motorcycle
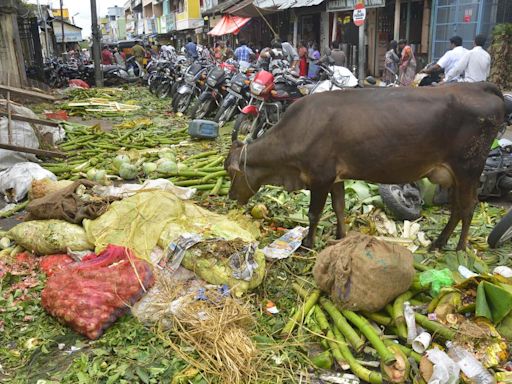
pixel 238 96
pixel 333 78
pixel 405 201
pixel 193 84
pixel 217 82
pixel 271 94
pixel 115 74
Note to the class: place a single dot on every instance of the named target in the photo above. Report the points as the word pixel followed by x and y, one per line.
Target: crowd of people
pixel 457 64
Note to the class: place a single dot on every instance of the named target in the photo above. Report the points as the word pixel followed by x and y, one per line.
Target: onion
pixel 259 211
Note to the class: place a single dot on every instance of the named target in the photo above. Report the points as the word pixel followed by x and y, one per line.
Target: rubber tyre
pixel 225 114
pixel 399 206
pixel 181 102
pixel 174 88
pixel 200 109
pixel 154 85
pixel 501 231
pixel 506 184
pixel 163 90
pixel 243 124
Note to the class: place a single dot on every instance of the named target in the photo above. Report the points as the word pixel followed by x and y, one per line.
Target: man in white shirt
pixel 475 64
pixel 450 58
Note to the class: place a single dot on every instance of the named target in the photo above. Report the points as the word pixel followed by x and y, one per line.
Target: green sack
pixel 47 237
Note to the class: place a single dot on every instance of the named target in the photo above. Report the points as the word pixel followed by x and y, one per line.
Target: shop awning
pixel 219 8
pixel 246 8
pixel 229 24
pixel 285 4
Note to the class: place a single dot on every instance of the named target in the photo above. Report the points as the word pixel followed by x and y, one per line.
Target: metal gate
pixel 465 18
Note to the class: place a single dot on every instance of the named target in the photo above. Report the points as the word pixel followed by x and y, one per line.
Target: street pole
pixel 361 56
pixel 96 45
pixel 62 29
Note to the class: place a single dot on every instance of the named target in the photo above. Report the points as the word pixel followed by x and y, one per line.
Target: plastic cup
pixel 421 342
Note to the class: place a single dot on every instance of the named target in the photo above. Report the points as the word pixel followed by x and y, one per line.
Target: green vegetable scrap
pixel 437 279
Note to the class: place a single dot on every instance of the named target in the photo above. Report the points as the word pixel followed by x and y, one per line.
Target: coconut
pixel 259 211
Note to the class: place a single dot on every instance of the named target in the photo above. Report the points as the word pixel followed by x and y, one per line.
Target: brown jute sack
pixel 363 273
pixel 67 204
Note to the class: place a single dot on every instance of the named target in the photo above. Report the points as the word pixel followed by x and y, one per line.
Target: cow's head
pixel 243 180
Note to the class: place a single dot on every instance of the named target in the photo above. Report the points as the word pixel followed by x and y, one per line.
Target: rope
pixel 243 153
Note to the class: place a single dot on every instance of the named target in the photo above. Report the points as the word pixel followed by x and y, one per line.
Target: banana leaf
pixel 493 302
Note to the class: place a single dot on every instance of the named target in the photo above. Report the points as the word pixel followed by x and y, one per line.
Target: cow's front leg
pixel 338 205
pixel 316 206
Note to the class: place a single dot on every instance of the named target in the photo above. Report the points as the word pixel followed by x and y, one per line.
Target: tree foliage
pixel 501 56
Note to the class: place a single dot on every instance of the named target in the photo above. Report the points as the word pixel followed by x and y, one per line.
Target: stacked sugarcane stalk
pixel 93 153
pixel 344 334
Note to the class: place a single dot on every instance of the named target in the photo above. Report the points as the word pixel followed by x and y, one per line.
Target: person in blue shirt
pixel 243 54
pixel 191 49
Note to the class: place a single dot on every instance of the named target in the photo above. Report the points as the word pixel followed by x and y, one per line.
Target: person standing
pixel 407 65
pixel 289 52
pixel 243 54
pixel 106 56
pixel 391 61
pixel 313 67
pixel 191 49
pixel 118 57
pixel 337 54
pixel 303 59
pixel 475 65
pixel 450 59
pixel 139 53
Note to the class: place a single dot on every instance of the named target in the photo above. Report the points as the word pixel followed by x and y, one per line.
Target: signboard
pixel 359 14
pixel 348 5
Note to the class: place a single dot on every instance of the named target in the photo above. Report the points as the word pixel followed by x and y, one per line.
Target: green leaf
pixel 143 374
pixel 482 308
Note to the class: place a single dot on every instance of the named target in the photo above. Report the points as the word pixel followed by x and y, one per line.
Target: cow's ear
pixel 234 166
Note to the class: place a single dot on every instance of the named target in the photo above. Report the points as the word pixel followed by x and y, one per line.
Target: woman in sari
pixel 407 67
pixel 303 60
pixel 391 61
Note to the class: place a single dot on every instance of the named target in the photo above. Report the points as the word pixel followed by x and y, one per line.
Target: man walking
pixel 475 65
pixel 191 49
pixel 243 54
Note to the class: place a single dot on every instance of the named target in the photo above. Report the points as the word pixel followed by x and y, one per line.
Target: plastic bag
pixel 127 190
pixel 151 218
pixel 17 180
pixel 91 295
pixel 446 371
pixel 48 237
pixel 437 278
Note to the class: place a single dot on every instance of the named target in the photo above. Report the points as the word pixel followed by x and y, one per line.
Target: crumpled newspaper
pixel 287 244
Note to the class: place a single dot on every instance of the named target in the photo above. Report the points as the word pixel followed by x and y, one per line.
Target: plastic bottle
pixel 468 364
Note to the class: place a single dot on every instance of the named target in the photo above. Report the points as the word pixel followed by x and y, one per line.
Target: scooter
pixel 132 72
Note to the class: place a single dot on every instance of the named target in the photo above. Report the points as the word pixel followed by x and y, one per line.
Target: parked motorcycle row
pixel 254 97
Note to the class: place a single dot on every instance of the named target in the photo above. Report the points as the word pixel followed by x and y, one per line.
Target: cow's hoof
pixel 307 245
pixel 436 246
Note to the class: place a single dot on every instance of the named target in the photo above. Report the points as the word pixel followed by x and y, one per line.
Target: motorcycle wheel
pixel 163 90
pixel 506 184
pixel 225 114
pixel 154 85
pixel 501 231
pixel 181 102
pixel 201 108
pixel 404 204
pixel 174 88
pixel 243 125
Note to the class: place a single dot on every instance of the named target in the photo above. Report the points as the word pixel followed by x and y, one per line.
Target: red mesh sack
pixel 78 83
pixel 54 263
pixel 89 296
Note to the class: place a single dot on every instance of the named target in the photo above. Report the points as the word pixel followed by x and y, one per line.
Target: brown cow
pixel 389 136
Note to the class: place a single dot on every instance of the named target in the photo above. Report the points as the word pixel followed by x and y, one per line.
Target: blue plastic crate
pixel 203 129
